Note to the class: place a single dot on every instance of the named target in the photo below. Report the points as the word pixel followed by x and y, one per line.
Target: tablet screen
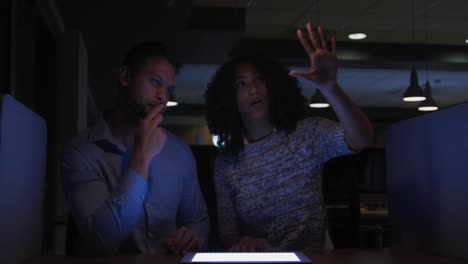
pixel 246 257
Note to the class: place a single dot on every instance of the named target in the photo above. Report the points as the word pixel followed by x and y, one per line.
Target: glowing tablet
pixel 246 257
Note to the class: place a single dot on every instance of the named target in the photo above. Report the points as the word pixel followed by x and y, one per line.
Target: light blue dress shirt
pixel 115 209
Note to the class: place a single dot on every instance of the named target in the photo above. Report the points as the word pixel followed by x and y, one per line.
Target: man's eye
pixel 156 82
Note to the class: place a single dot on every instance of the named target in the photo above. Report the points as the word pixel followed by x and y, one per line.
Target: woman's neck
pixel 257 131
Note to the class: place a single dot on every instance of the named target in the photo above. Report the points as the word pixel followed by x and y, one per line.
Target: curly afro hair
pixel 287 104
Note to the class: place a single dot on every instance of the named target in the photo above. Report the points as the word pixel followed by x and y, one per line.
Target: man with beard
pixel 131 185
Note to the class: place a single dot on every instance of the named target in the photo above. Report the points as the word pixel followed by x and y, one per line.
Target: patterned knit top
pixel 273 190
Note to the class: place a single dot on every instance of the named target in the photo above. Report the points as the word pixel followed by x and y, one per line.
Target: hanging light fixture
pixel 172 100
pixel 429 104
pixel 318 100
pixel 414 92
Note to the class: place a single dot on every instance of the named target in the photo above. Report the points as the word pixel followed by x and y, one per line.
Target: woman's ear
pixel 124 76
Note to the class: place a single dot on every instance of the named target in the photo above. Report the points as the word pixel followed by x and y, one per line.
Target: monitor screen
pixel 427 169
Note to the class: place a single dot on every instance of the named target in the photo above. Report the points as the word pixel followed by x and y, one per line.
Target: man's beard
pixel 140 110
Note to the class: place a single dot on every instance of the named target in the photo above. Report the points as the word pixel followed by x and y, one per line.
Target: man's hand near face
pixel 149 141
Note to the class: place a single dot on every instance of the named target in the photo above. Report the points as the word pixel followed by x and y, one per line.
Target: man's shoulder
pixel 80 142
pixel 81 138
pixel 175 143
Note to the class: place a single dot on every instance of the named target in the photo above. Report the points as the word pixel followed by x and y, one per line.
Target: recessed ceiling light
pixel 357 36
pixel 427 108
pixel 319 105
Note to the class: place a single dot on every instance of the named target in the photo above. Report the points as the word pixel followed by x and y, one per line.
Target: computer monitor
pixel 23 142
pixel 427 182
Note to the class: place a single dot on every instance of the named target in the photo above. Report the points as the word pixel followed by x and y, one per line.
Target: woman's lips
pixel 256 102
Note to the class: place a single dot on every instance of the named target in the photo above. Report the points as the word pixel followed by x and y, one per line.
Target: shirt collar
pixel 101 131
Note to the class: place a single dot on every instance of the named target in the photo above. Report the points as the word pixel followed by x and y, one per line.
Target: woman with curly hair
pixel 268 172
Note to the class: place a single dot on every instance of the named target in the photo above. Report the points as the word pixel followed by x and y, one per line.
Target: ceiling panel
pixel 368 87
pixel 270 16
pixel 297 4
pixel 441 22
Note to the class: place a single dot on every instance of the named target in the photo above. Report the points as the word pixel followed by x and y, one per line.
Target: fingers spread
pixel 312 37
pixel 305 43
pixel 333 42
pixel 322 38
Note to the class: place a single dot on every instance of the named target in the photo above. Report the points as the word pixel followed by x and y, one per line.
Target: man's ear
pixel 124 76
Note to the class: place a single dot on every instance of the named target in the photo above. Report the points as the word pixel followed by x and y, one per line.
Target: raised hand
pixel 323 63
pixel 149 140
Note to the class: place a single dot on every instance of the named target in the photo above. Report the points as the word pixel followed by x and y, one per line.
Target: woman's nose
pixel 252 88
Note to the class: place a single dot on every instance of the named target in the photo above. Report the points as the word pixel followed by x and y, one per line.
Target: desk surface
pixel 335 257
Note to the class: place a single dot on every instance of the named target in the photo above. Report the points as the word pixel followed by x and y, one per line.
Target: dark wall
pixel 30 72
pixel 5 38
pixel 109 30
pixel 22 63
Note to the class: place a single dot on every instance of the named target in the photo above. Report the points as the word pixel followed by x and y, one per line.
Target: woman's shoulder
pixel 308 123
pixel 223 159
pixel 314 122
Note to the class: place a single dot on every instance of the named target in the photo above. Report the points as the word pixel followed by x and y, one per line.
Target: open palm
pixel 323 63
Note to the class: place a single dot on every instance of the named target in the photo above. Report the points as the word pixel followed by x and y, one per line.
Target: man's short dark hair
pixel 138 55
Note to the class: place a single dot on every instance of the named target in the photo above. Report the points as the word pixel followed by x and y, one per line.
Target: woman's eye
pixel 240 84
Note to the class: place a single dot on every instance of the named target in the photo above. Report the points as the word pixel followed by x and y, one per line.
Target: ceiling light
pixel 427 108
pixel 357 36
pixel 414 92
pixel 466 41
pixel 429 104
pixel 318 100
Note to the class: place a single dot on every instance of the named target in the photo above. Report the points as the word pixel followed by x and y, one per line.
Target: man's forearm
pixel 107 226
pixel 140 164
